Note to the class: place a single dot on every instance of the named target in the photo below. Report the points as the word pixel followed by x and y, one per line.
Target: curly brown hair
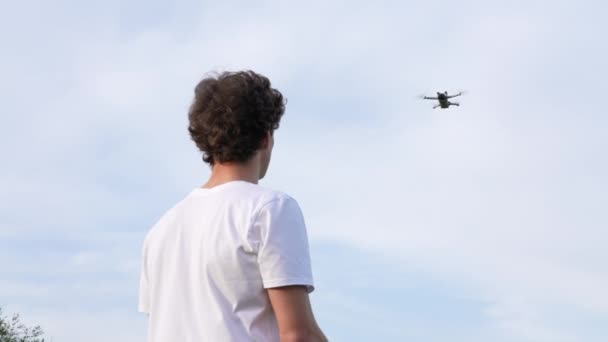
pixel 231 114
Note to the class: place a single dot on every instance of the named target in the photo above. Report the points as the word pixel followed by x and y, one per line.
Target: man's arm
pixel 294 315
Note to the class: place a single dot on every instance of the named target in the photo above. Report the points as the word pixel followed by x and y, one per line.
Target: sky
pixel 484 222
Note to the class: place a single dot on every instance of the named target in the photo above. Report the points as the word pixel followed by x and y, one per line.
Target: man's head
pixel 233 117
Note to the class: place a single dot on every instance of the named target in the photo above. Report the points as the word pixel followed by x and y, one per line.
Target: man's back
pixel 209 259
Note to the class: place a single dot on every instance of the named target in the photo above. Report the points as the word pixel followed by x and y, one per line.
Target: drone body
pixel 444 100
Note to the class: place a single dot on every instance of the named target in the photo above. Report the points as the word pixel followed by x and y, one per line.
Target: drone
pixel 443 99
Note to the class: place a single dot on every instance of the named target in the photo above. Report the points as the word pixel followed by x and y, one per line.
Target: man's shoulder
pixel 264 195
pixel 164 220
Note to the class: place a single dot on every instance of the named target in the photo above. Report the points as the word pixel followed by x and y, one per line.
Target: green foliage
pixel 11 330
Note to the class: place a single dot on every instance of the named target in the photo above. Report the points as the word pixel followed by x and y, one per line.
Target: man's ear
pixel 266 140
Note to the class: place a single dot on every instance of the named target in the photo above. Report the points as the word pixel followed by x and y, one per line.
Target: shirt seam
pixel 255 217
pixel 288 279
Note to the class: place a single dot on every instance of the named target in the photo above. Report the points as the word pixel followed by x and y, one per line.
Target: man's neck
pixel 228 172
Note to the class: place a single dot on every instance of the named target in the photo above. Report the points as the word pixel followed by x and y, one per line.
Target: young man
pixel 230 262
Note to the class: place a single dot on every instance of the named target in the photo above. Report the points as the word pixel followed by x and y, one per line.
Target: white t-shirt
pixel 208 260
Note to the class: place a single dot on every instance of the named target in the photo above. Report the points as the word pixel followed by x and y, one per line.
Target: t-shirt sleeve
pixel 282 244
pixel 144 293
